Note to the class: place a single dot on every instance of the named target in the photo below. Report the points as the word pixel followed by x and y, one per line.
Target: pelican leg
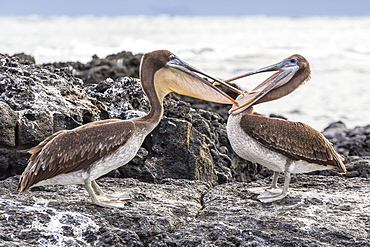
pixel 273 186
pixel 96 188
pixel 99 198
pixel 269 196
pixel 115 197
pixel 274 181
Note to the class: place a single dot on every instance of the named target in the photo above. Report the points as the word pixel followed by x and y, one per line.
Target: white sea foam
pixel 77 222
pixel 337 48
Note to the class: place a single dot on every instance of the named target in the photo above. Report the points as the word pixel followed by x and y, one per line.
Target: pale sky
pixel 186 7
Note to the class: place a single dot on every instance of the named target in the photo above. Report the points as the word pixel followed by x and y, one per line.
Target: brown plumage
pixel 280 145
pixel 69 151
pixel 300 142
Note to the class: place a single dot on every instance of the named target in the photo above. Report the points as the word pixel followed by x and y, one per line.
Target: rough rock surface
pixel 349 142
pixel 36 102
pixel 39 101
pixel 203 206
pixel 319 211
pixel 98 69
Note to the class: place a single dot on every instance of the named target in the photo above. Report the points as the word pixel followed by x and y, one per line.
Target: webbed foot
pixel 260 190
pixel 270 196
pixel 98 197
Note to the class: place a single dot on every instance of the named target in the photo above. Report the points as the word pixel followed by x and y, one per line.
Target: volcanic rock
pixel 25 57
pixel 38 101
pixel 182 180
pixel 8 123
pixel 319 211
pixel 98 69
pixel 349 142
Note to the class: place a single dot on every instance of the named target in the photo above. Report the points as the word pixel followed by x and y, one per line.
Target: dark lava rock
pixel 349 142
pixel 38 101
pixel 8 123
pixel 190 145
pixel 118 99
pixel 25 57
pixel 113 66
pixel 319 211
pixel 358 167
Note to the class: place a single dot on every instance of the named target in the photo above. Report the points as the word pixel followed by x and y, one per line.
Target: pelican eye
pixel 293 60
pixel 172 57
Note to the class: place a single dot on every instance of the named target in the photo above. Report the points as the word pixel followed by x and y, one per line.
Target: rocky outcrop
pixel 319 211
pixel 188 186
pixel 38 101
pixel 98 69
pixel 349 142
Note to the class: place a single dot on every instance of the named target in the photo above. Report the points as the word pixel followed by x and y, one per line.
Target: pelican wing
pixel 72 150
pixel 292 139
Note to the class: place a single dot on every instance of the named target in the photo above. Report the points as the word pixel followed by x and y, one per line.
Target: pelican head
pixel 291 73
pixel 171 74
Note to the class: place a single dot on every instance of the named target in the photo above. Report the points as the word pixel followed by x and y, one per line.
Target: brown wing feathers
pixel 292 139
pixel 71 150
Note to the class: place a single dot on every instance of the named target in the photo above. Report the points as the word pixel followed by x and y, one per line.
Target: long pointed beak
pixel 278 79
pixel 193 72
pixel 274 67
pixel 180 62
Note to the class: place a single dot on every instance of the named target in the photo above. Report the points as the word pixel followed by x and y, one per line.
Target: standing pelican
pixel 280 145
pixel 81 155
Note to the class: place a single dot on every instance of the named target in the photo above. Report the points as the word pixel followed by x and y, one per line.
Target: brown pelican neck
pixel 156 109
pixel 155 99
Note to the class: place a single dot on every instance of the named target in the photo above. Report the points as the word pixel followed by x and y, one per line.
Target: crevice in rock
pixel 16 135
pixel 202 203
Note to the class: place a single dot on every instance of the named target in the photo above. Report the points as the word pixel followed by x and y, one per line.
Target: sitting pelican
pixel 280 145
pixel 81 155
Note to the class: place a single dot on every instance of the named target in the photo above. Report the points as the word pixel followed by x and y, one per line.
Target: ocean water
pixel 338 49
